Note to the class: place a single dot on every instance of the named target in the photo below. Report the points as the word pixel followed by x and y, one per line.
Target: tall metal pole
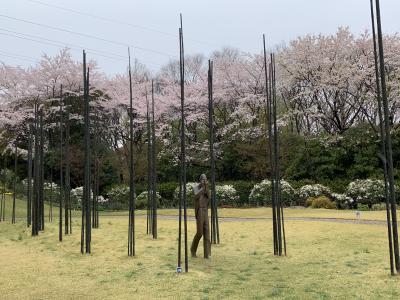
pixel 41 171
pixel 35 204
pixel 86 220
pixel 149 169
pixel 83 200
pixel 15 181
pixel 67 186
pixel 51 181
pixel 131 236
pixel 388 139
pixel 268 92
pixel 29 187
pixel 214 206
pixel 281 228
pixel 182 187
pixel 60 220
pixel 153 166
pixel 382 133
pixel 88 224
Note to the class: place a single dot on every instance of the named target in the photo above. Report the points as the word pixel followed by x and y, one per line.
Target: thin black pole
pixel 29 187
pixel 183 144
pixel 67 185
pixel 383 148
pixel 149 169
pixel 281 228
pixel 131 234
pixel 35 204
pixel 83 202
pixel 95 175
pixel 51 181
pixel 388 139
pixel 41 171
pixel 15 181
pixel 211 148
pixel 214 206
pixel 182 185
pixel 88 225
pixel 60 220
pixel 153 166
pixel 268 93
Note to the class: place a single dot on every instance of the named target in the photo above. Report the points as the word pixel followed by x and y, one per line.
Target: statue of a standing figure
pixel 201 199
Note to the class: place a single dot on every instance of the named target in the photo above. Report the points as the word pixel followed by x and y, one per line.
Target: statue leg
pixel 206 238
pixel 198 235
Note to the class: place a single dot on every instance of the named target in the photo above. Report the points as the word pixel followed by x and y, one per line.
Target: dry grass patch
pixel 325 261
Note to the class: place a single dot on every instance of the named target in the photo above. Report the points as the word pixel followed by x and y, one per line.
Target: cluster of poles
pixel 86 225
pixel 36 176
pixel 36 143
pixel 35 188
pixel 386 154
pixel 278 225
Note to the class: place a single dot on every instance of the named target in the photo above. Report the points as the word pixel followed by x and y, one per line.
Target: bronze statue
pixel 201 199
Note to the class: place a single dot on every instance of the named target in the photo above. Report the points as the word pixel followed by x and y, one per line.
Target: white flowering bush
pixel 118 197
pixel 77 194
pixel 51 190
pixel 260 195
pixel 312 191
pixel 141 200
pixel 102 200
pixel 343 201
pixel 189 194
pixel 367 191
pixel 226 195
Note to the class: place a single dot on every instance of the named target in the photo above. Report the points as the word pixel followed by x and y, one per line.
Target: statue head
pixel 203 178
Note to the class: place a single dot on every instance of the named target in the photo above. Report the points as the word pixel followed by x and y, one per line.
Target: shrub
pixel 309 202
pixel 322 202
pixel 261 194
pixel 166 191
pixel 189 194
pixel 7 176
pixel 312 191
pixel 226 195
pixel 379 206
pixel 243 189
pixel 343 201
pixel 118 197
pixel 367 191
pixel 141 200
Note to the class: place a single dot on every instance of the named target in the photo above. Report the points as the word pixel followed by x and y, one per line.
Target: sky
pixel 30 28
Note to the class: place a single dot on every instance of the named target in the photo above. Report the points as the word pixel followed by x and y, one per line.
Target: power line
pixel 63 43
pixel 16 56
pixel 86 35
pixel 53 44
pixel 175 36
pixel 75 47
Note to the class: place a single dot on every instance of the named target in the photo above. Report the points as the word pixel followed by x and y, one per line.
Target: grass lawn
pixel 325 261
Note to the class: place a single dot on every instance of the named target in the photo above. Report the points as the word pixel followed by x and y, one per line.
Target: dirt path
pixel 257 219
pixel 307 219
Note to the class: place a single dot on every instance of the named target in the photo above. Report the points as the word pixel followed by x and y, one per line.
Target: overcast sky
pixel 153 25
